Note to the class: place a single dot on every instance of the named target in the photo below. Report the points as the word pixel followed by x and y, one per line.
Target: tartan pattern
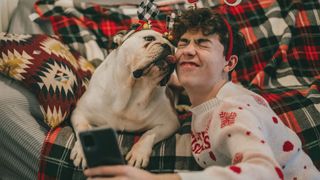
pixel 281 64
pixel 89 28
pixel 168 156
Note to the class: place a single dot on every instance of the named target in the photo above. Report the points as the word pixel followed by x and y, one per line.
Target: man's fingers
pixel 101 178
pixel 106 171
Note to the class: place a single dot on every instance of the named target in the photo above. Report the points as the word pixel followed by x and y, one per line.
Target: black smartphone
pixel 100 147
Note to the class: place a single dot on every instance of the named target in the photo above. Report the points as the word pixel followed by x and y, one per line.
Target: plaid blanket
pixel 282 64
pixel 168 156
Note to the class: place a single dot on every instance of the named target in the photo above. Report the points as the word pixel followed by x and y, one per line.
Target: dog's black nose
pixel 138 73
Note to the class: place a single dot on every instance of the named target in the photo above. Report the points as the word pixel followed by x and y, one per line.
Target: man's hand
pixel 125 172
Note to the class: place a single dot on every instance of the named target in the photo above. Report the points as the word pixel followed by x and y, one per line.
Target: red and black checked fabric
pixel 89 28
pixel 282 63
pixel 168 156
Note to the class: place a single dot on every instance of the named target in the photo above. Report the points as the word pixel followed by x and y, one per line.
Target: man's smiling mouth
pixel 188 65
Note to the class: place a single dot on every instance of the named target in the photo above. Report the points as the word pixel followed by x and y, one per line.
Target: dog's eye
pixel 149 38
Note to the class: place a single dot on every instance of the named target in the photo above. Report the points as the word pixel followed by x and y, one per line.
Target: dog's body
pixel 115 98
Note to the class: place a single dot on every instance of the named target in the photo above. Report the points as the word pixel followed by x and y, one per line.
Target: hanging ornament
pixel 169 25
pixel 232 2
pixel 147 10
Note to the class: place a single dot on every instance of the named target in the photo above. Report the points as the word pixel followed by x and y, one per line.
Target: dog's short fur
pixel 115 98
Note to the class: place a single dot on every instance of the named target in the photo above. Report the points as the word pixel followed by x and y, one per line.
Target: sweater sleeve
pixel 236 133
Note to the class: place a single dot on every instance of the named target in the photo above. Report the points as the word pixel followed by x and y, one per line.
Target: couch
pixel 282 64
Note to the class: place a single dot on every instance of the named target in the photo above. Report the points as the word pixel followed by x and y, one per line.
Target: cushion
pixel 57 75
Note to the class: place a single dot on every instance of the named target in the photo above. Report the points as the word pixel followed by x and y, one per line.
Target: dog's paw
pixel 139 156
pixel 77 156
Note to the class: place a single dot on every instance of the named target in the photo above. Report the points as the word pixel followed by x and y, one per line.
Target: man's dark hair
pixel 210 22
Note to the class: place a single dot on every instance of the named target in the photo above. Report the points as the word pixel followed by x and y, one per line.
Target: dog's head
pixel 145 49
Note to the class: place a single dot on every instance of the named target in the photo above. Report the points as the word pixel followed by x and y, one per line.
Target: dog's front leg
pixel 79 124
pixel 140 152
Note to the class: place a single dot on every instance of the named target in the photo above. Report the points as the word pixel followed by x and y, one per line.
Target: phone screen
pixel 100 147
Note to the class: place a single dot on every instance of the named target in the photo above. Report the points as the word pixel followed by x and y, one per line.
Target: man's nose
pixel 189 50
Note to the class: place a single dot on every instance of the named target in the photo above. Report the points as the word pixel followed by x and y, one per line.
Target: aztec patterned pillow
pixel 57 75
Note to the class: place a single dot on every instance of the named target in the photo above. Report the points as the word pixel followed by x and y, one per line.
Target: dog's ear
pixel 124 34
pixel 119 37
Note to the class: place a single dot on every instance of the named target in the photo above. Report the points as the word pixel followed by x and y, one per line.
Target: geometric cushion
pixel 56 74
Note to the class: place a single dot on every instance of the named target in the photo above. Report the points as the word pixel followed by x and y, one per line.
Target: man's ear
pixel 231 64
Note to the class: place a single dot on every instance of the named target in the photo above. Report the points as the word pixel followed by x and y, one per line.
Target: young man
pixel 235 133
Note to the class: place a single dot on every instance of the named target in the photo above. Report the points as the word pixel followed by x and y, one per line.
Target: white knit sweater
pixel 238 136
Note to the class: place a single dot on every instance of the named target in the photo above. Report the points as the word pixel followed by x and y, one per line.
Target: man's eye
pixel 181 44
pixel 149 38
pixel 204 44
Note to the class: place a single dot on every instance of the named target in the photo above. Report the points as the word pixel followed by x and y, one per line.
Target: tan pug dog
pixel 124 93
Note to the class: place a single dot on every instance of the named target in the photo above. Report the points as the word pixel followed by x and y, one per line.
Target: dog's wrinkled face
pixel 146 49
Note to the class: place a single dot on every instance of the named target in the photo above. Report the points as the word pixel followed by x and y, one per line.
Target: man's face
pixel 200 60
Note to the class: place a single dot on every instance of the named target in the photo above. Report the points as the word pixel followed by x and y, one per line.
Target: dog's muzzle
pixel 165 62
